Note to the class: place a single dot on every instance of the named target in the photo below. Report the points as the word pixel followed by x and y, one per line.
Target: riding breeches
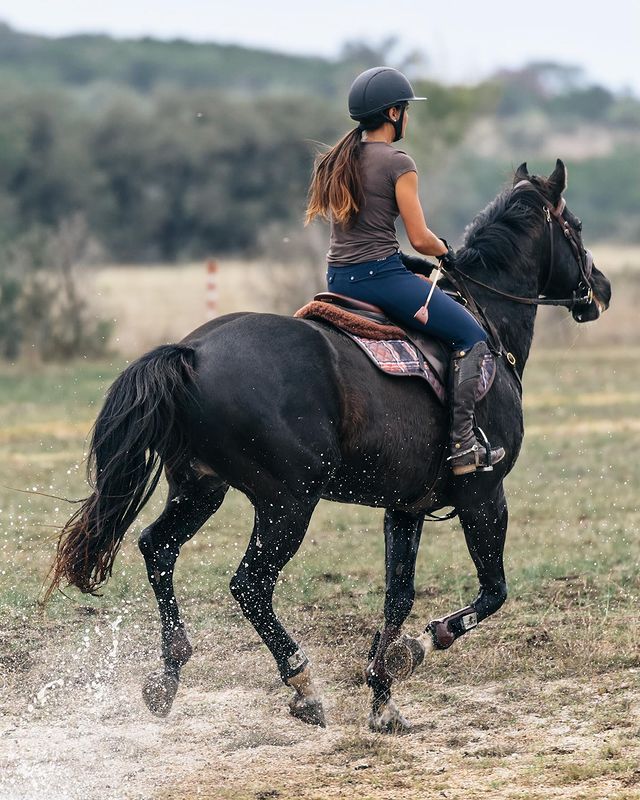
pixel 387 283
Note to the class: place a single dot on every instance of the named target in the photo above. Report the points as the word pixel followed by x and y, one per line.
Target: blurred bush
pixel 45 313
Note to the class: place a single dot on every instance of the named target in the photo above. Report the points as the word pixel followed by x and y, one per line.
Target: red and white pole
pixel 212 288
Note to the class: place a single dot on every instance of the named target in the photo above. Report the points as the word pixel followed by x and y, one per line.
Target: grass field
pixel 543 700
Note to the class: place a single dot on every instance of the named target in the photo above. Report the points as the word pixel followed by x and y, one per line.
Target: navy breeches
pixel 400 293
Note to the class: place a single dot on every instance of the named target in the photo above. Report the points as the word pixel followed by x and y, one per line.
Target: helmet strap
pixel 397 123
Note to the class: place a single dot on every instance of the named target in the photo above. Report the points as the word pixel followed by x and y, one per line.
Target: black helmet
pixel 377 89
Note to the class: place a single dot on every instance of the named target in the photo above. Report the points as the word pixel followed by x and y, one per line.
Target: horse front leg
pixel 485 529
pixel 188 507
pixel 402 538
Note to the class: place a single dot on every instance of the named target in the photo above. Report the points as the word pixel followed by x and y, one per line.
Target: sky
pixel 463 41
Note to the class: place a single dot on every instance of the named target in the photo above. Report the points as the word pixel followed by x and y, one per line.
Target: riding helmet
pixel 377 89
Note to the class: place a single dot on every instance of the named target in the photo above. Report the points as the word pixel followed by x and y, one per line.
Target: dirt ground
pixel 541 701
pixel 76 727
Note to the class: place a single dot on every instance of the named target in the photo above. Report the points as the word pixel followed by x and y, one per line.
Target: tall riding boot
pixel 467 454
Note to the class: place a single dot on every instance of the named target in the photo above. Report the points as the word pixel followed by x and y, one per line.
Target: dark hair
pixel 336 185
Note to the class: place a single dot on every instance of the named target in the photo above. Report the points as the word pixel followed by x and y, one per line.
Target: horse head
pixel 571 270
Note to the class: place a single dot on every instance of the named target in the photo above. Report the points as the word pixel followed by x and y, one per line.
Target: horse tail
pixel 137 433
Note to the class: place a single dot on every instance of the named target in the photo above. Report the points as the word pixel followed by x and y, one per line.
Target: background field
pixel 163 303
pixel 541 701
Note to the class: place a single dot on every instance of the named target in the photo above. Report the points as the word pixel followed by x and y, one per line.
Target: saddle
pixel 395 350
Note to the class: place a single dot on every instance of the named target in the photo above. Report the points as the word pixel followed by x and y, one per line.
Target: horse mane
pixel 502 233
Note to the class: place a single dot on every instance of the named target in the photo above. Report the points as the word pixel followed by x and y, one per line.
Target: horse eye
pixel 579 225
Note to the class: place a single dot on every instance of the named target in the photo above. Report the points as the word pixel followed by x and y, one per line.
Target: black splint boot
pixel 467 453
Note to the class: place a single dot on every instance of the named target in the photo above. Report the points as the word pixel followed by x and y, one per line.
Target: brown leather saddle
pixel 370 322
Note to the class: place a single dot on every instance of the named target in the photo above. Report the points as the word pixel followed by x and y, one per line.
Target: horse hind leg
pixel 279 529
pixel 190 503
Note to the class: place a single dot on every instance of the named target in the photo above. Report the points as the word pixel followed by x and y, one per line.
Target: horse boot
pixel 467 454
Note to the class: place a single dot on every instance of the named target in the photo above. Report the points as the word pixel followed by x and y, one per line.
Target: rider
pixel 361 185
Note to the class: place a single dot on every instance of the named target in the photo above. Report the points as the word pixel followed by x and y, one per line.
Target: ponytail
pixel 336 186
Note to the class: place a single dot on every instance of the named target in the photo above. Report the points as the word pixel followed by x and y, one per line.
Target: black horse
pixel 290 412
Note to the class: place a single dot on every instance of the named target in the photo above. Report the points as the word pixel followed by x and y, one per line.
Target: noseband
pixel 583 293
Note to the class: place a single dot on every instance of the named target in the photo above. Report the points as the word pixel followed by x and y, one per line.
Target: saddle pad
pixel 390 350
pixel 348 321
pixel 400 357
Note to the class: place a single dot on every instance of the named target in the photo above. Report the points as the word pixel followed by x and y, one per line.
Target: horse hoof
pixel 403 656
pixel 158 693
pixel 309 711
pixel 388 719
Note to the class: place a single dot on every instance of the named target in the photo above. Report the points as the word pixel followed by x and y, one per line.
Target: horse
pixel 289 412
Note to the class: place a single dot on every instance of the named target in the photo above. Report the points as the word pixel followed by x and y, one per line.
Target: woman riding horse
pixel 290 412
pixel 361 185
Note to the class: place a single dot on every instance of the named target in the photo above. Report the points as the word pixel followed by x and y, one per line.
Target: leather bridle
pixel 583 293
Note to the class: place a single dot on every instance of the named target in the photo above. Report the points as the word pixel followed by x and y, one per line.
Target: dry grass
pixel 157 304
pixel 615 259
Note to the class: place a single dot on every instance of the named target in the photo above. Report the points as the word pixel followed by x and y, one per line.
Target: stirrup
pixel 488 465
pixel 483 462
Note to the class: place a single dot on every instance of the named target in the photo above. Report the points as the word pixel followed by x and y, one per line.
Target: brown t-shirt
pixel 372 233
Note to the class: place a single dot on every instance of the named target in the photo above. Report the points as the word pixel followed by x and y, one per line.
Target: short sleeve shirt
pixel 371 235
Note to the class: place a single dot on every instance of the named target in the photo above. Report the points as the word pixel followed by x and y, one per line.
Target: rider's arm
pixel 422 239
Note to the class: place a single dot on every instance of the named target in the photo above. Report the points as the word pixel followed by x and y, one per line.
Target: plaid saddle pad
pixel 400 357
pixel 390 353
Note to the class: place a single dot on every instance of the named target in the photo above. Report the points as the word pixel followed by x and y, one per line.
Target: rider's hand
pixel 447 260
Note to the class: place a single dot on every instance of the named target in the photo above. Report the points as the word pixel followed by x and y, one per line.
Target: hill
pixel 144 64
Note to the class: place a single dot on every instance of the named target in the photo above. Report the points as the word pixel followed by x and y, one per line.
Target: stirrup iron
pixel 488 465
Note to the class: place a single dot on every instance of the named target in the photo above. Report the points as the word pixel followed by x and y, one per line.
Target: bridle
pixel 583 293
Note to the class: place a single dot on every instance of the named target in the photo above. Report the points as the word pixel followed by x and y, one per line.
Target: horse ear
pixel 522 173
pixel 558 180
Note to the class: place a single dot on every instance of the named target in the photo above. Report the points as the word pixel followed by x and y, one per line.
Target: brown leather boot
pixel 467 454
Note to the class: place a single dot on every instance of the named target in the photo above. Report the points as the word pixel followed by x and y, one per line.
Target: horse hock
pixel 404 655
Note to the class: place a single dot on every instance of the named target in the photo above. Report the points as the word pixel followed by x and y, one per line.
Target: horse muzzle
pixel 589 310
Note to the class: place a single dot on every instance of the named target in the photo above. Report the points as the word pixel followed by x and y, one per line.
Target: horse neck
pixel 513 321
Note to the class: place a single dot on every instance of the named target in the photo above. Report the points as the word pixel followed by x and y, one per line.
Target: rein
pixel 568 302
